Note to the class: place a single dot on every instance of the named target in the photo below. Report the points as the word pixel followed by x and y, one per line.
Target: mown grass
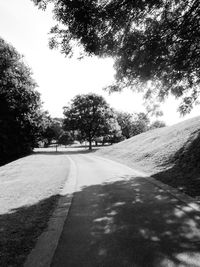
pixel 29 192
pixel 170 154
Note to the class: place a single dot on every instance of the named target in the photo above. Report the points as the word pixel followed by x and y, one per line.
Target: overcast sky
pixel 59 78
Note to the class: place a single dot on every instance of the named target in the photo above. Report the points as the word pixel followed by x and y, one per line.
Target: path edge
pixel 43 252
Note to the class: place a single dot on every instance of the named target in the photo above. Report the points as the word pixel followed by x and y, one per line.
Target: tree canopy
pixel 157 124
pixel 132 124
pixel 125 121
pixel 21 118
pixel 65 138
pixel 90 116
pixel 155 43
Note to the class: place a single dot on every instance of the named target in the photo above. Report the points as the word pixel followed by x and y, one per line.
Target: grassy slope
pixel 171 154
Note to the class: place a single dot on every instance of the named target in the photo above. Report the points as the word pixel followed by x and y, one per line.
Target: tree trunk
pixel 90 144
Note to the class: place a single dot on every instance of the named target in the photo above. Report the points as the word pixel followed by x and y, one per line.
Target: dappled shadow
pixel 123 223
pixel 128 223
pixel 184 172
pixel 20 228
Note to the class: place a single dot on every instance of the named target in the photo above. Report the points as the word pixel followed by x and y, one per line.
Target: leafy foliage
pixel 157 124
pixel 125 121
pixel 20 113
pixel 150 40
pixel 140 123
pixel 132 124
pixel 90 116
pixel 65 138
pixel 52 130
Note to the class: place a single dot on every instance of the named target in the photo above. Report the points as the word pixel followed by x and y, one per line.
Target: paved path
pixel 120 219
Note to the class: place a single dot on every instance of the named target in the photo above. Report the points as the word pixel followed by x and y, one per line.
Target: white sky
pixel 60 78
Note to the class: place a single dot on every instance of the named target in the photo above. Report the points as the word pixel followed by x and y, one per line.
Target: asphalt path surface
pixel 118 218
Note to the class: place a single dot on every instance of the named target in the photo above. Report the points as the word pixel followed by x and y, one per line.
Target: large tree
pixel 155 43
pixel 90 116
pixel 21 117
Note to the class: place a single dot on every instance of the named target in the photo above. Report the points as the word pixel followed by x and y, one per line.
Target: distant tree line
pixel 89 118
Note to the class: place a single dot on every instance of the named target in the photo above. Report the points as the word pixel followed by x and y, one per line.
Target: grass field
pixel 29 190
pixel 170 154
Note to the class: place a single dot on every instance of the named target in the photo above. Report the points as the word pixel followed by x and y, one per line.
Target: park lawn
pixel 29 190
pixel 170 154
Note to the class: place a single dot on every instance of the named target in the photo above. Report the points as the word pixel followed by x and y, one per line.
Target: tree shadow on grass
pixel 128 223
pixel 20 229
pixel 70 152
pixel 4 161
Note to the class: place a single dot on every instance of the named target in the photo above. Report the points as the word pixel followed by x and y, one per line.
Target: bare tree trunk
pixel 90 144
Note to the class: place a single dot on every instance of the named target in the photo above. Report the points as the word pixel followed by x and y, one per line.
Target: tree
pixel 113 133
pixel 90 115
pixel 155 43
pixel 56 126
pixel 125 121
pixel 52 131
pixel 65 139
pixel 132 124
pixel 157 124
pixel 20 105
pixel 140 123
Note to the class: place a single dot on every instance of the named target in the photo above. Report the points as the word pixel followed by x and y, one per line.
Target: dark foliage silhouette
pixel 20 114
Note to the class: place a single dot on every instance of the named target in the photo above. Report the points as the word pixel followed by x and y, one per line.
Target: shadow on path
pixel 128 223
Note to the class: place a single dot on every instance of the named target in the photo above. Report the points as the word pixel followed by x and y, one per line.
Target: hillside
pixel 170 154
